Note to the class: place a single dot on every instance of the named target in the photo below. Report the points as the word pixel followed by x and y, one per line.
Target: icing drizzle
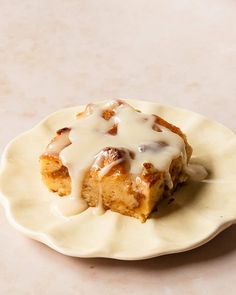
pixel 142 140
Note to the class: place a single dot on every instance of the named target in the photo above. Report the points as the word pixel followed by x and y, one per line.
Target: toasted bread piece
pixel 132 195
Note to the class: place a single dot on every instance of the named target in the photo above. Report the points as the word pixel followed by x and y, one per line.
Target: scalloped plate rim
pixel 46 239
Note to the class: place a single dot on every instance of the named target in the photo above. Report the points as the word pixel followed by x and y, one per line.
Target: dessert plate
pixel 199 212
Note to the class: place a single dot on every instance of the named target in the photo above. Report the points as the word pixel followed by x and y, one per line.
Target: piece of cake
pixel 115 157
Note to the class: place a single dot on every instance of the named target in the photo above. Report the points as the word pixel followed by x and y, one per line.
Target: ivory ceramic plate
pixel 199 212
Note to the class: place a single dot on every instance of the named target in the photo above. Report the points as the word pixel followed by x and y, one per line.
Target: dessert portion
pixel 115 157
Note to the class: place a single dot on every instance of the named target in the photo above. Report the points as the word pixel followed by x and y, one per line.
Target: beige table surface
pixel 55 54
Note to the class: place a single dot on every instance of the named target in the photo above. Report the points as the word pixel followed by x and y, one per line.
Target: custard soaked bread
pixel 115 157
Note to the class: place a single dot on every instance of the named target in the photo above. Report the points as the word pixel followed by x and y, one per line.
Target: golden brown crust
pixel 55 175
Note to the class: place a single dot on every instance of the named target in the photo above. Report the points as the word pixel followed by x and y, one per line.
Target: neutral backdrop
pixel 55 54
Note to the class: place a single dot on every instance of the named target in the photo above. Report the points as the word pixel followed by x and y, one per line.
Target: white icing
pixel 74 204
pixel 168 180
pixel 108 167
pixel 89 134
pixel 58 144
pixel 99 209
pixel 69 206
pixel 196 172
